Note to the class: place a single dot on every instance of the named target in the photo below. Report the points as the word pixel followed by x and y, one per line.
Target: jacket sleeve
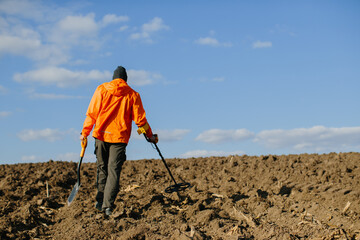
pixel 139 115
pixel 92 113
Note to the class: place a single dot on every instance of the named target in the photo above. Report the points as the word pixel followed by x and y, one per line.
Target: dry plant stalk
pixel 347 206
pixel 249 219
pixel 218 195
pixel 234 230
pixel 131 188
pixel 177 208
pixel 192 232
pixel 47 189
pixel 338 234
pixel 308 218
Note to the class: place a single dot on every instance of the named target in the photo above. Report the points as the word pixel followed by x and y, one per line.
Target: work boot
pixel 108 212
pixel 98 206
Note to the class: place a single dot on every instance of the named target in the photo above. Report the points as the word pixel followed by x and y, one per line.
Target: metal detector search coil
pixel 177 187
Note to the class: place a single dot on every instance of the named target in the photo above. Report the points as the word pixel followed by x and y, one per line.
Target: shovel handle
pixel 83 146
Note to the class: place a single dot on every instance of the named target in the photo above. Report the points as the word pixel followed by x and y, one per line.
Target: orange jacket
pixel 112 109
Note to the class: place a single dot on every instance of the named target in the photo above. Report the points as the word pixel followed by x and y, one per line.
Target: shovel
pixel 77 184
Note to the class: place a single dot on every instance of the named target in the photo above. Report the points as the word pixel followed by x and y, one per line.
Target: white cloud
pixel 282 28
pixel 18 37
pixel 68 157
pixel 3 24
pixel 155 25
pixel 123 28
pixel 218 79
pixel 75 31
pixel 50 96
pixel 37 159
pixel 61 77
pixel 3 90
pixel 112 18
pixel 31 158
pixel 74 157
pixel 211 41
pixel 79 25
pixel 164 135
pixel 220 136
pixel 18 45
pixel 23 8
pixel 215 79
pixel 4 114
pixel 172 135
pixel 47 134
pixel 317 138
pixel 207 41
pixel 56 31
pixel 260 44
pixel 206 153
pixel 148 29
pixel 142 77
pixel 26 42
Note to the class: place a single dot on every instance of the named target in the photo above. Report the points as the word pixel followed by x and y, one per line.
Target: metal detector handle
pixel 146 137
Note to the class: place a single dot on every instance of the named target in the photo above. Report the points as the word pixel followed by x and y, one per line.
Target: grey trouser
pixel 110 159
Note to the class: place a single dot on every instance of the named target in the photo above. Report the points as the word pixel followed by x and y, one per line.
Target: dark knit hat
pixel 120 72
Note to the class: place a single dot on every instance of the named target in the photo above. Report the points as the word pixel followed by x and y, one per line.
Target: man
pixel 112 109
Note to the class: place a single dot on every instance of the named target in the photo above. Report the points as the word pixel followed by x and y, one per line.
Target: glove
pixel 154 139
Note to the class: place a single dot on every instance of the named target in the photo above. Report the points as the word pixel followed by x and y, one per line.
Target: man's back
pixel 112 109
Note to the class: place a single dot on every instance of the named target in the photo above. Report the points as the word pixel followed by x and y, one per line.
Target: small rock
pixel 117 214
pixel 184 228
pixel 40 202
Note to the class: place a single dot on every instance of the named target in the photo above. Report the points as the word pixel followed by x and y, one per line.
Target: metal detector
pixel 177 187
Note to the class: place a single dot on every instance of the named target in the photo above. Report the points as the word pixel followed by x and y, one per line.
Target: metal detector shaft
pixel 162 158
pixel 173 188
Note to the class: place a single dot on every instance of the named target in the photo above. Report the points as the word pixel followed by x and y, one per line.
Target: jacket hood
pixel 117 87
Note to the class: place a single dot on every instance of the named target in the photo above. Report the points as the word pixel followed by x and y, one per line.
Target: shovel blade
pixel 73 193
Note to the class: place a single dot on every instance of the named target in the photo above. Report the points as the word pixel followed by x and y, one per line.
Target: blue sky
pixel 216 77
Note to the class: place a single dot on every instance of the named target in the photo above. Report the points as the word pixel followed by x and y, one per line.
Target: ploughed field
pixel 307 196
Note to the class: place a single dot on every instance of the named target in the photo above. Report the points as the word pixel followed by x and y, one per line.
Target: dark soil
pixel 307 196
